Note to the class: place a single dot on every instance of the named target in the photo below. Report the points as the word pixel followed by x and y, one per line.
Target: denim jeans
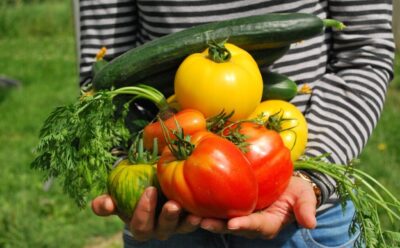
pixel 332 231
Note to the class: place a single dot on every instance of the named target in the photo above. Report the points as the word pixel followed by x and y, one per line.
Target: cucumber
pixel 250 33
pixel 278 87
pixel 266 57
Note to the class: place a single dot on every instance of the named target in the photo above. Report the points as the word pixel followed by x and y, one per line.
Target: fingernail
pixel 149 192
pixel 233 228
pixel 207 227
pixel 108 205
pixel 173 209
pixel 195 222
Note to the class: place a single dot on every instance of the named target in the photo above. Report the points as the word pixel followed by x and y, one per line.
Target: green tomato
pixel 126 183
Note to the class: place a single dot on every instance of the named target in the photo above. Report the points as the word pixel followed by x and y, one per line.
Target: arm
pixel 110 23
pixel 347 101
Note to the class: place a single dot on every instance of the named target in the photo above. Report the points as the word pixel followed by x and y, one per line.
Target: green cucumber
pixel 266 57
pixel 278 87
pixel 272 30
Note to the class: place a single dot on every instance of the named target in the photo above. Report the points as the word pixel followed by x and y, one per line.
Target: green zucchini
pixel 278 87
pixel 250 33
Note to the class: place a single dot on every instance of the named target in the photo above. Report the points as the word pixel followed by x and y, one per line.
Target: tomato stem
pixel 218 53
pixel 216 123
pixel 181 147
pixel 138 155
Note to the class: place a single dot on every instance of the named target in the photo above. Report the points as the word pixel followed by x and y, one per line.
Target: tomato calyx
pixel 138 155
pixel 180 146
pixel 274 122
pixel 218 122
pixel 232 132
pixel 218 53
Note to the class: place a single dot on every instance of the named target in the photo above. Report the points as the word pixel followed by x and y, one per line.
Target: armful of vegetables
pixel 77 141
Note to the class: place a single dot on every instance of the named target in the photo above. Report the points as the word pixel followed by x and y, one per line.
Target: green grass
pixel 37 48
pixel 44 62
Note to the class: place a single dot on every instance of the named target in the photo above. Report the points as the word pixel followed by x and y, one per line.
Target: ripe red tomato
pixel 269 158
pixel 189 120
pixel 215 180
pixel 292 125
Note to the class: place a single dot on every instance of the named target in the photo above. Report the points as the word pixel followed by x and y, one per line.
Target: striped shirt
pixel 348 70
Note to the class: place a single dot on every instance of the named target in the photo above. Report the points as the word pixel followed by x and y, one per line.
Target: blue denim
pixel 332 231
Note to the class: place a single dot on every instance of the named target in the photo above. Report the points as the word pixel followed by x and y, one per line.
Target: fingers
pixel 142 223
pixel 189 224
pixel 103 206
pixel 168 220
pixel 260 224
pixel 214 225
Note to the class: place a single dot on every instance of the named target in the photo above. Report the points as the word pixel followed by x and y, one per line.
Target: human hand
pixel 297 202
pixel 144 224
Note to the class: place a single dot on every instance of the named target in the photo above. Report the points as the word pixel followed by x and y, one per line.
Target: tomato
pixel 287 119
pixel 215 180
pixel 189 120
pixel 269 159
pixel 212 87
pixel 126 183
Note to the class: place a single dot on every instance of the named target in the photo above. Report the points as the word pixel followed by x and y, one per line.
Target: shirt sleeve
pixel 347 101
pixel 104 23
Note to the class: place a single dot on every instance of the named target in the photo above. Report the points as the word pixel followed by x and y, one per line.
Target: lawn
pixel 37 48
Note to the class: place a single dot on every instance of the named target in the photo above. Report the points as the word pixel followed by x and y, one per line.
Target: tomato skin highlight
pixel 293 127
pixel 189 120
pixel 211 87
pixel 215 181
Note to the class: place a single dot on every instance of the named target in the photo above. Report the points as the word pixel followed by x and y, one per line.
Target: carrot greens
pixel 77 141
pixel 368 196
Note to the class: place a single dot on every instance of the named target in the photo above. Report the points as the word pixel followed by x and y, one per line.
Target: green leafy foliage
pixel 76 143
pixel 367 194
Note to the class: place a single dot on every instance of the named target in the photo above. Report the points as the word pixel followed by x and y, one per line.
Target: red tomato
pixel 269 158
pixel 189 120
pixel 215 180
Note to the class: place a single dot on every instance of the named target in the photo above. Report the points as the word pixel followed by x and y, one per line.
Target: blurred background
pixel 38 71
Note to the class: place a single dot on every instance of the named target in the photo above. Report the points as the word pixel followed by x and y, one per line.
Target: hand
pixel 143 224
pixel 297 202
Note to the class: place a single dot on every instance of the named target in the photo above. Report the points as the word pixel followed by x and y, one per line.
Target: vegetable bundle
pixel 224 144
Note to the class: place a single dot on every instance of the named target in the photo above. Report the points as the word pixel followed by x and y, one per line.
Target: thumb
pixel 305 209
pixel 103 205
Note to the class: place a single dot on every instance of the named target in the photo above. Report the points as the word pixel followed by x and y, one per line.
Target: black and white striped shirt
pixel 348 70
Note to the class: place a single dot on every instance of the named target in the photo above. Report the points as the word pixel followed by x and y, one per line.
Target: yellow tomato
pixel 212 87
pixel 287 119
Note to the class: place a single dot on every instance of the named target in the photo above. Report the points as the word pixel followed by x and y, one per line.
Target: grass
pixel 37 48
pixel 44 62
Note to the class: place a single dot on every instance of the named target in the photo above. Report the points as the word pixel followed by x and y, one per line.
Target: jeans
pixel 332 231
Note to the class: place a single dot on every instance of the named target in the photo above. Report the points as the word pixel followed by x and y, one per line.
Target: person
pixel 348 72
